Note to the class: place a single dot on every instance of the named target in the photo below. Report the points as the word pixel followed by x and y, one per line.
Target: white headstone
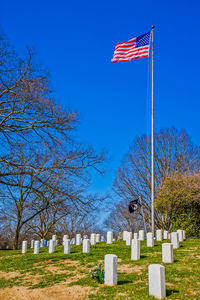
pixel 78 239
pixel 109 237
pixel 167 253
pixel 135 249
pixel 128 238
pixel 157 281
pixel 93 238
pixel 141 235
pixel 98 237
pixel 65 237
pixel 36 247
pixel 24 247
pixel 150 239
pixel 175 240
pixel 54 237
pixel 32 243
pixel 110 269
pixel 165 234
pixel 66 246
pixel 169 236
pixel 51 246
pixel 159 235
pixel 180 235
pixel 85 237
pixel 102 239
pixel 184 235
pixel 135 235
pixel 124 235
pixel 86 246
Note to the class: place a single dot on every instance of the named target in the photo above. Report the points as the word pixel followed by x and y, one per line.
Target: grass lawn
pixel 58 276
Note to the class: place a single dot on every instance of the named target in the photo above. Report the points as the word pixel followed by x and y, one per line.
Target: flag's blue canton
pixel 142 40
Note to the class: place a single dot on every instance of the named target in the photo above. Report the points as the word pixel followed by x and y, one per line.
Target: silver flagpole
pixel 152 143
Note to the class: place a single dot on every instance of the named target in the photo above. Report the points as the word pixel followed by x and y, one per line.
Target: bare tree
pixel 174 151
pixel 38 151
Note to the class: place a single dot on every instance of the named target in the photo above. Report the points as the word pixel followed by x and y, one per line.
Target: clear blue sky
pixel 75 40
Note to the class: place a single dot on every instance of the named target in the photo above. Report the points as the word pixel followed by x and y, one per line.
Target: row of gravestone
pixel 35 244
pixel 156 272
pixel 161 235
pixel 95 238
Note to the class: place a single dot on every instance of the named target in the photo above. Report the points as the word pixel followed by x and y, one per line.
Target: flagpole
pixel 152 138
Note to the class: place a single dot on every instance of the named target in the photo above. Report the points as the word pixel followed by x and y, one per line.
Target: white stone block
pixel 150 239
pixel 102 239
pixel 78 239
pixel 124 235
pixel 65 237
pixel 157 281
pixel 165 234
pixel 180 235
pixel 128 238
pixel 135 235
pixel 32 243
pixel 109 237
pixel 51 246
pixel 184 235
pixel 141 235
pixel 159 235
pixel 110 269
pixel 66 246
pixel 24 247
pixel 54 237
pixel 98 236
pixel 169 236
pixel 93 239
pixel 175 240
pixel 86 246
pixel 135 249
pixel 167 253
pixel 36 247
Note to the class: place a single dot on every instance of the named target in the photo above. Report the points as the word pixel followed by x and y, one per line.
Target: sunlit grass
pixel 44 269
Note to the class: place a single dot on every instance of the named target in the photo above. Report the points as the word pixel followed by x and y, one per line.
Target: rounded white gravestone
pixel 86 246
pixel 24 247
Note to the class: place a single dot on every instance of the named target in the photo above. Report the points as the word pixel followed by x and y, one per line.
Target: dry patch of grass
pixel 9 275
pixel 56 292
pixel 131 269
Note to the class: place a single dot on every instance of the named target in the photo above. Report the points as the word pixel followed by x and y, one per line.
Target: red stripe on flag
pixel 118 60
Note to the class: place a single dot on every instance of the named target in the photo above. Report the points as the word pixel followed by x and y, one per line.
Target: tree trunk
pixel 16 240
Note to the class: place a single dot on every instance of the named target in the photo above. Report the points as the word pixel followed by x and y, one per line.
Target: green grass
pixel 44 269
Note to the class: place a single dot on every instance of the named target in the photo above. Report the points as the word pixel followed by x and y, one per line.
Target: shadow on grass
pixel 124 282
pixel 143 256
pixel 171 292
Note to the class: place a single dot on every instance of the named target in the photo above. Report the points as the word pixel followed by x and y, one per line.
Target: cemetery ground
pixel 66 276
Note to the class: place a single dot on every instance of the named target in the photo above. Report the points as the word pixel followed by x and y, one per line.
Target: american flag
pixel 137 47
